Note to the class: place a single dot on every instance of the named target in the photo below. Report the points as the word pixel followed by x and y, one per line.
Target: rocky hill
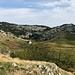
pixel 40 32
pixel 65 31
pixel 56 45
pixel 23 31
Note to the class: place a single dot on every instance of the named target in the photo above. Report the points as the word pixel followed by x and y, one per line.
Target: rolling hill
pixel 49 45
pixel 65 31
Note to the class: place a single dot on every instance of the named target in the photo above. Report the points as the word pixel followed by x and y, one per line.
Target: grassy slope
pixel 61 54
pixel 59 51
pixel 5 62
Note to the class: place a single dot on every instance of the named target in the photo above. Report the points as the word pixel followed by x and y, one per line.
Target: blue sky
pixel 41 12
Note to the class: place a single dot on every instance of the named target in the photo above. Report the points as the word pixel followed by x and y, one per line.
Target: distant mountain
pixel 40 32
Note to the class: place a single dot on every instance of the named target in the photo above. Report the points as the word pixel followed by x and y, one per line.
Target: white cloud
pixel 65 3
pixel 17 15
pixel 55 3
pixel 49 3
pixel 56 16
pixel 72 2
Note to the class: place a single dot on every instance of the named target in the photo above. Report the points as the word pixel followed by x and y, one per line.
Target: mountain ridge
pixel 33 31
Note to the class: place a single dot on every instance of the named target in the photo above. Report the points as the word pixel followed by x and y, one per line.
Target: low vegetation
pixel 15 66
pixel 56 45
pixel 61 54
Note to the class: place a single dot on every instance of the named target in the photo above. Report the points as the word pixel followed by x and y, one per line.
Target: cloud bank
pixel 53 13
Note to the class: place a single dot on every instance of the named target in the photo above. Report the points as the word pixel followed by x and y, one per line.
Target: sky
pixel 38 12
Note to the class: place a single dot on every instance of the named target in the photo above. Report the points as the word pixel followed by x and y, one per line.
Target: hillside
pixel 23 31
pixel 10 66
pixel 43 33
pixel 9 44
pixel 55 45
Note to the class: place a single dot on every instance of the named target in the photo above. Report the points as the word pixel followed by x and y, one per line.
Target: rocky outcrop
pixel 49 69
pixel 6 35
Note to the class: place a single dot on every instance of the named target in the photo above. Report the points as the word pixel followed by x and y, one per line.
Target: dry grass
pixel 16 73
pixel 4 58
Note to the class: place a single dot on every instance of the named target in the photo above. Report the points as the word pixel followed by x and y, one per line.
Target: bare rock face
pixel 52 69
